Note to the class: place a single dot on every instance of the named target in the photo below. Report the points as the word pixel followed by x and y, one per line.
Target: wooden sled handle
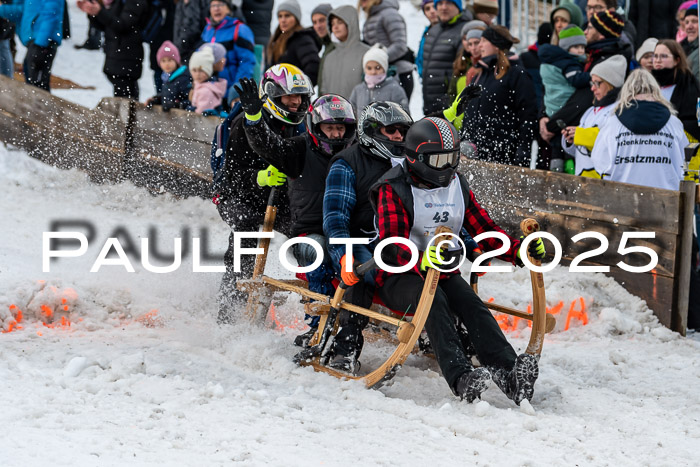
pixel 539 310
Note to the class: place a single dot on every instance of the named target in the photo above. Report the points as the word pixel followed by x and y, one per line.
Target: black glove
pixel 468 93
pixel 248 93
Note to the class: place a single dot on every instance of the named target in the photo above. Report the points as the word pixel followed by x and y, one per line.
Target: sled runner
pixel 407 332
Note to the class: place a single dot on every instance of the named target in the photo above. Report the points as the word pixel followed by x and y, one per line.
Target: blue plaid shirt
pixel 338 203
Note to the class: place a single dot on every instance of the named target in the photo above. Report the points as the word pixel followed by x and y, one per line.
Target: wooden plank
pixel 177 123
pixel 679 319
pixel 187 153
pixel 569 195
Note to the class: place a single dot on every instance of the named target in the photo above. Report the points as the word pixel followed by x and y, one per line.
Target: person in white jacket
pixel 607 77
pixel 642 141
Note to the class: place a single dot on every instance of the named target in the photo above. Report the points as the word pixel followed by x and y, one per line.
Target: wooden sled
pixel 407 333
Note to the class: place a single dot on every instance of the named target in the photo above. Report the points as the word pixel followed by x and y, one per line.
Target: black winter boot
pixel 471 384
pixel 302 340
pixel 519 382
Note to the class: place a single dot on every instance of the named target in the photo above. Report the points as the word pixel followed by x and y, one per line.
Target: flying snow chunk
pixel 482 408
pixel 75 367
pixel 526 407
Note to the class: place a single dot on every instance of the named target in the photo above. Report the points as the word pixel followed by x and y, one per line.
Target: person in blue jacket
pixel 40 28
pixel 238 39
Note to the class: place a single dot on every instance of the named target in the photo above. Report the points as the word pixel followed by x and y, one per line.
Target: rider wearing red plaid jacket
pixel 411 201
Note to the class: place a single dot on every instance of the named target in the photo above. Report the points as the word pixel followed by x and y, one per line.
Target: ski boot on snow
pixel 347 363
pixel 302 340
pixel 519 382
pixel 471 384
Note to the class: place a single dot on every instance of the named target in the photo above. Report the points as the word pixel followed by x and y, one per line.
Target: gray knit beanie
pixel 291 6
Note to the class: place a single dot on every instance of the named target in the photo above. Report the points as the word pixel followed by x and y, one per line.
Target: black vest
pixel 368 169
pixel 400 181
pixel 306 194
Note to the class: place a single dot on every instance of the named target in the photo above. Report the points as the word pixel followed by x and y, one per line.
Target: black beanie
pixel 500 37
pixel 608 23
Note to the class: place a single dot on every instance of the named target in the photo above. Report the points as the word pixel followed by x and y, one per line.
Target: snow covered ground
pixel 142 375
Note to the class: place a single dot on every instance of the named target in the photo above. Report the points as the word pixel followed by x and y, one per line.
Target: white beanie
pixel 203 59
pixel 612 70
pixel 378 54
pixel 647 46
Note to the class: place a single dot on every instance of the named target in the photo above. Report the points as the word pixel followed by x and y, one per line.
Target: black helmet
pixel 383 114
pixel 331 108
pixel 432 150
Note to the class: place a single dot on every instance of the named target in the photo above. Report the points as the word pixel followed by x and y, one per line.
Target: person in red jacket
pixel 411 201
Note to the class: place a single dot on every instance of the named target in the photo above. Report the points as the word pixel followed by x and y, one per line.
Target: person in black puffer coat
pixel 439 51
pixel 501 122
pixel 123 47
pixel 293 44
pixel 678 85
pixel 190 21
pixel 258 16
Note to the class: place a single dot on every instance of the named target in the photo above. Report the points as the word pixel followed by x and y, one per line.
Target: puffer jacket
pixel 37 21
pixel 341 68
pixel 561 74
pixel 123 43
pixel 176 89
pixel 302 51
pixel 238 39
pixel 386 26
pixel 258 16
pixel 501 122
pixel 208 95
pixel 442 41
pixel 388 90
pixel 190 21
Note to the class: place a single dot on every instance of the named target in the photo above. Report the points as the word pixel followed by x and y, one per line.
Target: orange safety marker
pixel 556 309
pixel 580 314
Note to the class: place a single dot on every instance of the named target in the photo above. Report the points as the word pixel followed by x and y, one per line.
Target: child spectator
pixel 377 86
pixel 562 68
pixel 645 54
pixel 208 90
pixel 177 81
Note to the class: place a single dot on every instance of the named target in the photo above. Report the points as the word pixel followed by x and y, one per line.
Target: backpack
pixel 218 144
pixel 154 20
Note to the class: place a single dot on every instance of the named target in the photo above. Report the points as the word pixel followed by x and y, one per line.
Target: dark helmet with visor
pixel 432 150
pixel 334 109
pixel 392 117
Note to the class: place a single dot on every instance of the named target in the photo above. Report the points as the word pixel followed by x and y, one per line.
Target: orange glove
pixel 348 277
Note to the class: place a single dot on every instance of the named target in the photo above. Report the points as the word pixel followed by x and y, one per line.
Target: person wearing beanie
pixel 485 10
pixel 599 47
pixel 442 42
pixel 428 8
pixel 502 119
pixel 562 73
pixel 463 69
pixel 219 52
pixel 565 14
pixel 645 53
pixel 207 91
pixel 642 141
pixel 377 87
pixel 386 26
pixel 690 26
pixel 291 43
pixel 175 77
pixel 607 77
pixel 236 36
pixel 319 21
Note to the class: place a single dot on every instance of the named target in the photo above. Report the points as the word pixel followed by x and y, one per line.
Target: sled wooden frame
pixel 408 332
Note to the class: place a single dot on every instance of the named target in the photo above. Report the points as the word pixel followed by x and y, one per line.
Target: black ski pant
pixel 38 63
pixel 454 298
pixel 125 86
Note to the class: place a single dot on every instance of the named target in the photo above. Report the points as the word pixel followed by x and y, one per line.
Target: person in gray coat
pixel 377 86
pixel 386 26
pixel 341 68
pixel 439 51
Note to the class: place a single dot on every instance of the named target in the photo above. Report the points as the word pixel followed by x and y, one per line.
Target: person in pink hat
pixel 177 81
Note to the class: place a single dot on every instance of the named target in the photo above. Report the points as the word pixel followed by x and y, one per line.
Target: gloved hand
pixel 349 278
pixel 535 248
pixel 470 92
pixel 431 255
pixel 248 93
pixel 271 177
pixel 475 254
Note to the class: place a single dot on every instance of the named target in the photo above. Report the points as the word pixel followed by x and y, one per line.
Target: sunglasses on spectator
pixel 391 129
pixel 661 56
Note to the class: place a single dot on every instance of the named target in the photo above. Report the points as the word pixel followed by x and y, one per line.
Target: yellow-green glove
pixel 434 256
pixel 535 248
pixel 271 177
